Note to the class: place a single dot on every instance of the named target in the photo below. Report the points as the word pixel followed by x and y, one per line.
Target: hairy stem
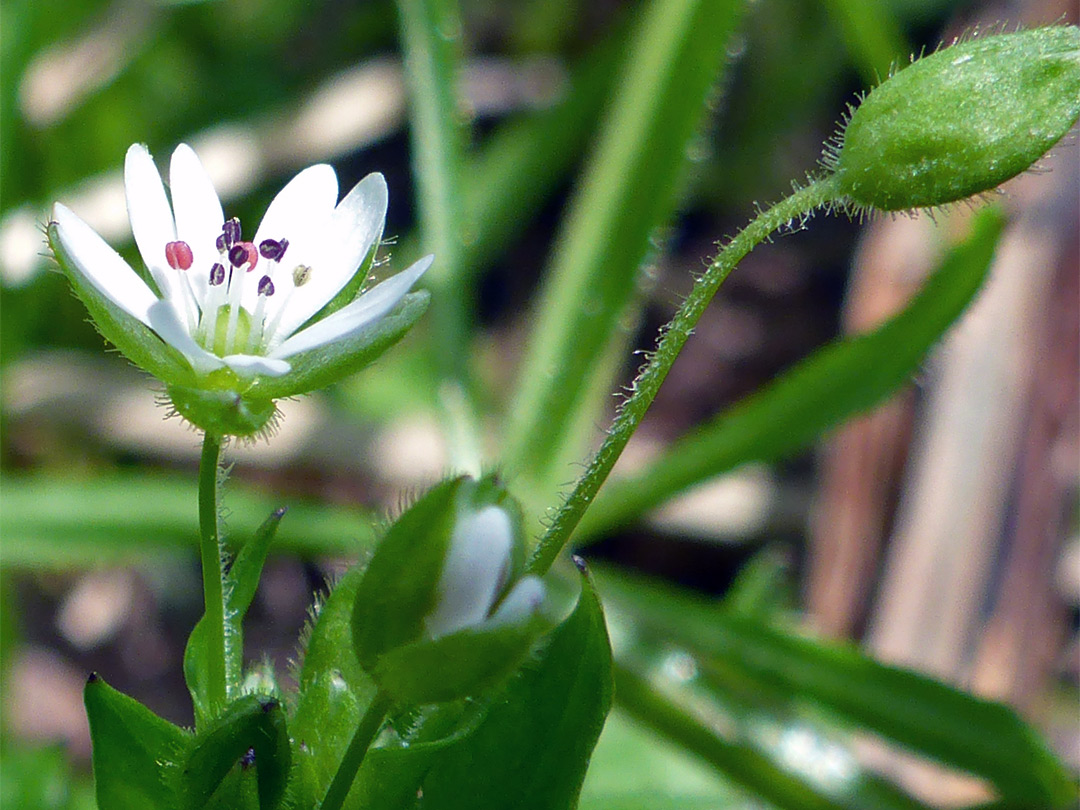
pixel 212 574
pixel 369 726
pixel 800 204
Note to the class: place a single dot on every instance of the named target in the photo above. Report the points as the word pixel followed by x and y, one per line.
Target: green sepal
pixel 252 722
pixel 222 412
pixel 241 581
pixel 132 337
pixel 319 367
pixel 459 665
pixel 961 121
pixel 333 691
pixel 135 752
pixel 399 586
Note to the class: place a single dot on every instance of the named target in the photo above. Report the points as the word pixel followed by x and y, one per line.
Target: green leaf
pixel 630 188
pixel 532 749
pixel 253 722
pixel 835 383
pixel 931 718
pixel 136 754
pixel 51 521
pixel 242 577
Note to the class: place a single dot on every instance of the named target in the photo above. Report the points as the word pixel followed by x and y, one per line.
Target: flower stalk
pixel 798 206
pixel 364 735
pixel 212 573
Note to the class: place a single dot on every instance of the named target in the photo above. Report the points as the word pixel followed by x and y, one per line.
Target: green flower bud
pixel 443 610
pixel 960 121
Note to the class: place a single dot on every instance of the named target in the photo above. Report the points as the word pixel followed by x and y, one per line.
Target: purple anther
pixel 220 243
pixel 266 286
pixel 231 231
pixel 272 249
pixel 237 255
pixel 217 274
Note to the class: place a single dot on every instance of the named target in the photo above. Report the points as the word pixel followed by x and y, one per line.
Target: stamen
pixel 243 253
pixel 214 299
pixel 217 274
pixel 236 292
pixel 221 243
pixel 266 289
pixel 300 275
pixel 273 249
pixel 178 255
pixel 231 231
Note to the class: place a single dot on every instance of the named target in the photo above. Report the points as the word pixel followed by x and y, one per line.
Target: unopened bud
pixel 960 121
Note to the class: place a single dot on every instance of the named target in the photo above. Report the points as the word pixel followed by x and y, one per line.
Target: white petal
pixel 164 321
pixel 248 365
pixel 148 207
pixel 199 217
pixel 102 266
pixel 361 313
pixel 524 599
pixel 300 213
pixel 152 223
pixel 476 566
pixel 346 239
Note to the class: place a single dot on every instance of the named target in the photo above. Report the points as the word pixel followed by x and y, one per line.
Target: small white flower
pixel 228 302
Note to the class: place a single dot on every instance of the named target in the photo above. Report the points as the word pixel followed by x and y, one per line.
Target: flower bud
pixel 960 121
pixel 443 610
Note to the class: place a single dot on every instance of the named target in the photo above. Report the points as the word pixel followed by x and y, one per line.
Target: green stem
pixel 212 574
pixel 369 726
pixel 798 206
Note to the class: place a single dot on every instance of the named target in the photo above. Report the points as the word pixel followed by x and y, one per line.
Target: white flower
pixel 223 301
pixel 476 568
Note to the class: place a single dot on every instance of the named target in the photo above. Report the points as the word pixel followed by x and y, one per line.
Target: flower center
pixel 223 325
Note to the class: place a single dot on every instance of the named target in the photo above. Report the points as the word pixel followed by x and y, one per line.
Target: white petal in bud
pixel 476 567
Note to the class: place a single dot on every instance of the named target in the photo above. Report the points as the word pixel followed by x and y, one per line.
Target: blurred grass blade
pixel 674 60
pixel 930 718
pixel 835 383
pixel 51 521
pixel 742 764
pixel 510 175
pixel 872 35
pixel 515 170
pixel 430 40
